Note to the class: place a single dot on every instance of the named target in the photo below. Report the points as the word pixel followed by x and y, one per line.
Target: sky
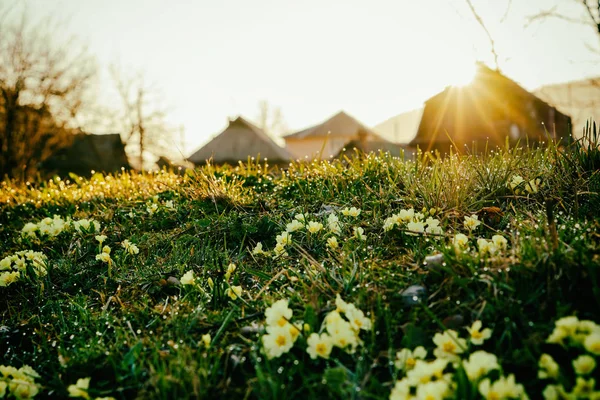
pixel 311 58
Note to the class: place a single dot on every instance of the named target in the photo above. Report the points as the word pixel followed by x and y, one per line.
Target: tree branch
pixel 487 32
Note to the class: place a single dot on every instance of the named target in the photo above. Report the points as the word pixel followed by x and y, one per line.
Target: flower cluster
pixel 485 248
pixel 130 247
pixel 328 229
pixel 51 227
pixel 104 255
pixel 519 185
pixel 20 383
pixel 436 379
pixel 583 336
pixel 337 330
pixel 13 267
pixel 414 222
pixel 231 291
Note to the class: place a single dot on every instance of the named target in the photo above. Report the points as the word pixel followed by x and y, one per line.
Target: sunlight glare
pixel 462 74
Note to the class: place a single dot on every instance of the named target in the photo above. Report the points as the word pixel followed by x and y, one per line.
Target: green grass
pixel 137 332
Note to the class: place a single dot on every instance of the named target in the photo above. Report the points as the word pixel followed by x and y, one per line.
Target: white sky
pixel 214 59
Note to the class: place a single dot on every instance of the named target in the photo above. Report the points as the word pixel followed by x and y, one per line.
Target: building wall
pixel 300 148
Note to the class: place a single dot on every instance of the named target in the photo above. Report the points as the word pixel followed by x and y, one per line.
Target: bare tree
pixel 142 115
pixel 589 15
pixel 270 120
pixel 486 30
pixel 42 86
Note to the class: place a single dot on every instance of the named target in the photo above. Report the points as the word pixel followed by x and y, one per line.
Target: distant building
pixel 580 99
pixel 329 137
pixel 87 152
pixel 240 140
pixel 490 109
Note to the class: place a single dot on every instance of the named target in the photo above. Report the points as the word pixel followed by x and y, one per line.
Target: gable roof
pixel 486 109
pixel 341 124
pixel 237 142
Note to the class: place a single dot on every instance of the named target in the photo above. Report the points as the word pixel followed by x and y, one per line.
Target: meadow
pixel 461 277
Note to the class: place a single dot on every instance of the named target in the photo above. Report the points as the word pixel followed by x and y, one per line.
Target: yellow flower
pixel 584 364
pixel 23 388
pixel 341 332
pixel 206 339
pixel 332 242
pixel 460 241
pixel 106 249
pixel 472 222
pixel 277 342
pixel 555 392
pixel 8 278
pixel 406 215
pixel 548 367
pixel 503 388
pixel 532 185
pixel 284 238
pixel 592 343
pixel 258 249
pixel 29 230
pixel 319 345
pixel 280 250
pixel 479 364
pixel 333 224
pixel 278 314
pixel 80 389
pixel 359 233
pixel 188 278
pixel 352 211
pixel 415 226
pixel 424 372
pixel 300 217
pixel 130 247
pixel 516 181
pixel 234 292
pixel 294 226
pixel 449 345
pixel 230 270
pixel 583 388
pixel 3 386
pixel 100 238
pixel 314 227
pixel 104 257
pixel 407 359
pixel 435 390
pixel 500 242
pixel 357 318
pixel 477 335
pixel 401 391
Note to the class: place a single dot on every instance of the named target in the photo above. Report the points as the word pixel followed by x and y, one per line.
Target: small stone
pixel 252 329
pixel 455 322
pixel 434 260
pixel 173 281
pixel 413 295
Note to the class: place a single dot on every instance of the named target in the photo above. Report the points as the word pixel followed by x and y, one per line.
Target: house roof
pixel 490 91
pixel 237 142
pixel 341 124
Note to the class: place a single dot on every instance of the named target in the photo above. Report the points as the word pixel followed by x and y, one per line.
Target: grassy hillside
pixel 155 285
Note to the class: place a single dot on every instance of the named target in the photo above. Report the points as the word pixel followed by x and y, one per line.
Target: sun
pixel 461 74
